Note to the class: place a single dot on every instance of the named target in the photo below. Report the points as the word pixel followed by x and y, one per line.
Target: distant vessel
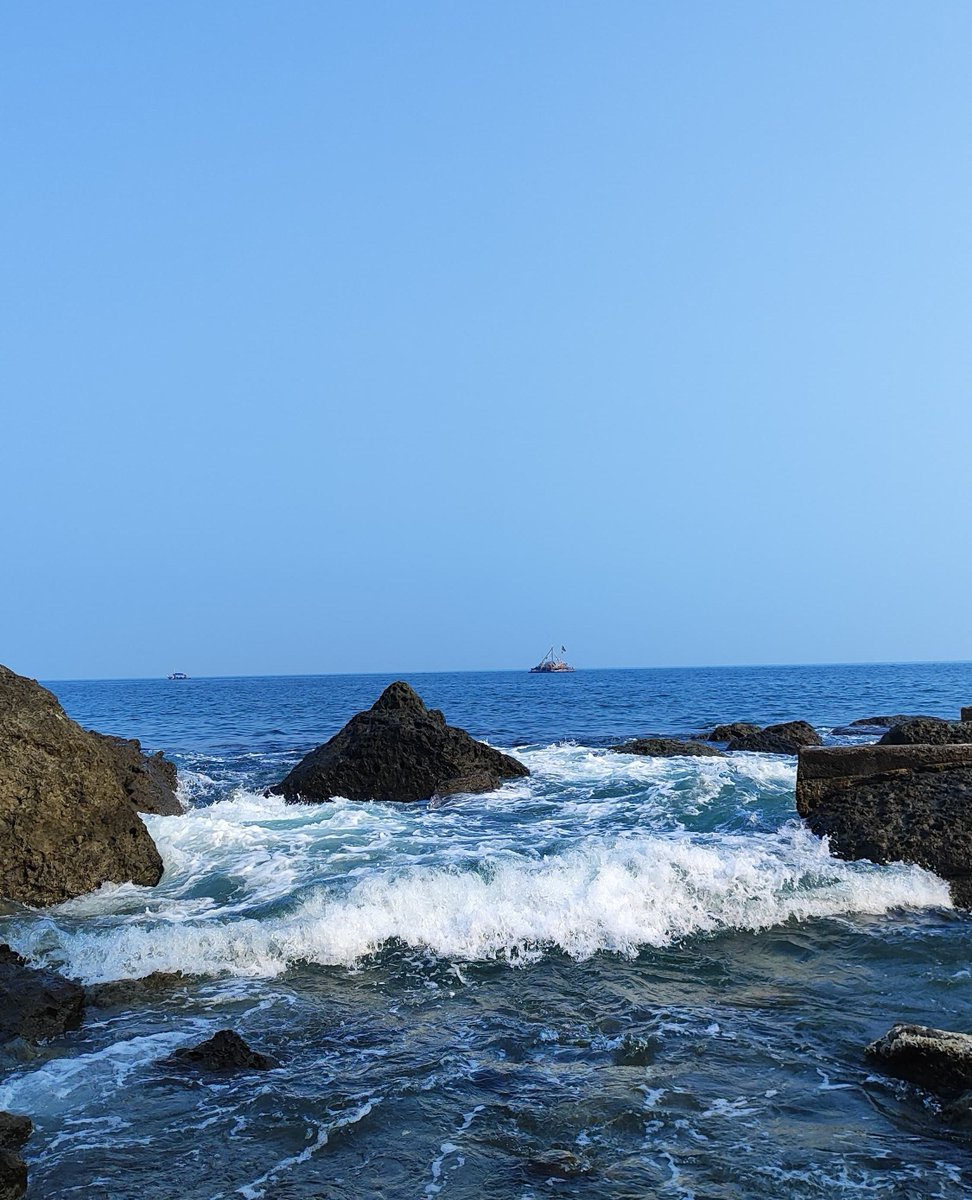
pixel 550 663
pixel 178 675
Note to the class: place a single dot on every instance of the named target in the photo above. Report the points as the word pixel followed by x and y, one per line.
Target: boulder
pixel 398 750
pixel 224 1051
pixel 35 1004
pixel 66 823
pixel 936 1059
pixel 667 748
pixel 735 729
pixel 787 738
pixel 14 1130
pixel 128 993
pixel 928 731
pixel 149 780
pixel 13 1175
pixel 893 803
pixel 866 725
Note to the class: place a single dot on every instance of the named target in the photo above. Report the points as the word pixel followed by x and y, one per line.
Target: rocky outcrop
pixel 735 729
pixel 928 731
pixel 149 780
pixel 936 1059
pixel 128 993
pixel 787 738
pixel 66 823
pixel 398 750
pixel 14 1132
pixel 891 803
pixel 667 748
pixel 35 1004
pixel 224 1051
pixel 870 725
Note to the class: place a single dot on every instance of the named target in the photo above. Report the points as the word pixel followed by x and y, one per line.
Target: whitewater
pixel 620 976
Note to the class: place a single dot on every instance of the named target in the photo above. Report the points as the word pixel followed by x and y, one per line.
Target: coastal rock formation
pixel 890 803
pixel 398 750
pixel 787 738
pixel 224 1051
pixel 14 1132
pixel 936 1059
pixel 928 731
pixel 35 1004
pixel 870 725
pixel 735 729
pixel 128 993
pixel 149 780
pixel 66 823
pixel 667 748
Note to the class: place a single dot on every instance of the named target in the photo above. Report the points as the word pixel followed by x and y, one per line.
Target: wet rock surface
pixel 224 1051
pixel 67 824
pixel 127 993
pixel 937 1059
pixel 35 1004
pixel 725 733
pixel 148 780
pixel 786 738
pixel 890 803
pixel 667 748
pixel 398 750
pixel 928 731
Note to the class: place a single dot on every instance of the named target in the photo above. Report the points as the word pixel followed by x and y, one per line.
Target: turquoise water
pixel 620 977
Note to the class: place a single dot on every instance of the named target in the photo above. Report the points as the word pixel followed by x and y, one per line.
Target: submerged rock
pixel 66 823
pixel 936 1059
pixel 787 738
pixel 35 1004
pixel 891 803
pixel 126 993
pixel 398 750
pixel 735 729
pixel 224 1051
pixel 667 748
pixel 928 731
pixel 149 780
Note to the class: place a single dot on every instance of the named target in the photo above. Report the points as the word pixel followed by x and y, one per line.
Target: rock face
pixel 35 1004
pixel 928 731
pixel 14 1132
pixel 668 748
pixel 787 738
pixel 936 1059
pixel 397 750
pixel 149 780
pixel 66 823
pixel 891 803
pixel 735 729
pixel 224 1051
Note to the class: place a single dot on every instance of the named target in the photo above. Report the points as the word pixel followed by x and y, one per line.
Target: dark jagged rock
pixel 928 731
pixel 127 993
pixel 149 780
pixel 66 823
pixel 469 785
pixel 890 803
pixel 224 1051
pixel 397 750
pixel 865 726
pixel 13 1175
pixel 735 729
pixel 936 1059
pixel 35 1004
pixel 667 748
pixel 14 1130
pixel 788 738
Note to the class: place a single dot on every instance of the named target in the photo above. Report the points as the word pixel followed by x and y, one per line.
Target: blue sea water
pixel 621 977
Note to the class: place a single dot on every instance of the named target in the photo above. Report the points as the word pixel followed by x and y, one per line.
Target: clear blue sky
pixel 389 336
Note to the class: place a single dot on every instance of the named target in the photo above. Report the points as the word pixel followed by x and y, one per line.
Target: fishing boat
pixel 178 675
pixel 550 663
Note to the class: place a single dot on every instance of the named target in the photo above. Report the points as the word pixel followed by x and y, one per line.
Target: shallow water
pixel 620 977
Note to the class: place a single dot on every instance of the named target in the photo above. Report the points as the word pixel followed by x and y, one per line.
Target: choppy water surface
pixel 621 977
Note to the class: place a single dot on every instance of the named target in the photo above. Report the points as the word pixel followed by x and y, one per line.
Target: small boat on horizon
pixel 550 663
pixel 178 675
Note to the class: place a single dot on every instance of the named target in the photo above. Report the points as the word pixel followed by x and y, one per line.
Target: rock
pixel 892 803
pixel 787 738
pixel 936 1059
pixel 928 731
pixel 35 1004
pixel 66 823
pixel 965 714
pixel 224 1051
pixel 559 1164
pixel 13 1175
pixel 735 729
pixel 869 725
pixel 480 781
pixel 667 748
pixel 398 750
pixel 127 993
pixel 149 780
pixel 14 1130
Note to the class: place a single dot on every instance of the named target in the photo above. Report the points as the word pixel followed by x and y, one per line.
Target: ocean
pixel 620 978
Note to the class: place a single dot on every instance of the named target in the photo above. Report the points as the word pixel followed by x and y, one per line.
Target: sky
pixel 401 337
